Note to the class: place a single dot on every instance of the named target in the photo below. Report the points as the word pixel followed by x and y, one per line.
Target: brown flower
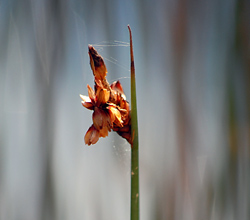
pixel 111 110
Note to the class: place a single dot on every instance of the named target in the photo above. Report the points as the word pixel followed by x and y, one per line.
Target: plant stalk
pixel 135 205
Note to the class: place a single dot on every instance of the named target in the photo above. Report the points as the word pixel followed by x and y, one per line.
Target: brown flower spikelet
pixel 111 110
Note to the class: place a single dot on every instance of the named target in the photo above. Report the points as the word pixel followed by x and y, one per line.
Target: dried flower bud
pixel 97 64
pixel 92 135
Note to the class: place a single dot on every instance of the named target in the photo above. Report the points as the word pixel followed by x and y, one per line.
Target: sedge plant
pixel 111 111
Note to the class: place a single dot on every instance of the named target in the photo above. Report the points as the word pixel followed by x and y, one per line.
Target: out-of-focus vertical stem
pixel 135 206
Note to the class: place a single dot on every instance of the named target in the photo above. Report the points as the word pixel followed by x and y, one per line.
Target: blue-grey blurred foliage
pixel 192 62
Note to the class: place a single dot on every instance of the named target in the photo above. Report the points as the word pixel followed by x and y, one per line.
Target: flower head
pixel 111 110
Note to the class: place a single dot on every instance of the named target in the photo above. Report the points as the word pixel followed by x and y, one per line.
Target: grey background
pixel 193 79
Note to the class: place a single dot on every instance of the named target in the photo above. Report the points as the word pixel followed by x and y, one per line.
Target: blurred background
pixel 192 61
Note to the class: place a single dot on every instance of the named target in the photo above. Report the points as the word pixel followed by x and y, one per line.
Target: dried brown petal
pixel 99 83
pixel 117 87
pixel 91 94
pixel 102 96
pixel 88 105
pixel 86 102
pixel 125 129
pixel 124 105
pixel 115 116
pixel 104 132
pixel 91 136
pixel 101 119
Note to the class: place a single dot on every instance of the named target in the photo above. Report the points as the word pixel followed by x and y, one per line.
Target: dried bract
pixel 92 135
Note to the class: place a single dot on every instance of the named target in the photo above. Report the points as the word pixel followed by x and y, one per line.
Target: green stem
pixel 135 206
